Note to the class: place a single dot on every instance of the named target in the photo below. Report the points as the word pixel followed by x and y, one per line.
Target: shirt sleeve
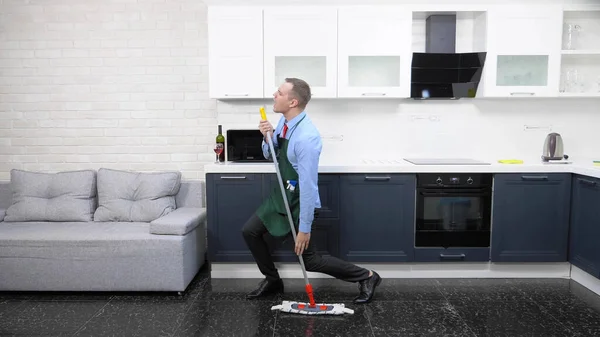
pixel 308 152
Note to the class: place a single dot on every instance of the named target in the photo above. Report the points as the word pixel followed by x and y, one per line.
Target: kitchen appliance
pixel 453 216
pixel 445 161
pixel 440 72
pixel 244 145
pixel 553 148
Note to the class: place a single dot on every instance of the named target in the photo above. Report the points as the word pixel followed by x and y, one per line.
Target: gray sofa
pixel 108 230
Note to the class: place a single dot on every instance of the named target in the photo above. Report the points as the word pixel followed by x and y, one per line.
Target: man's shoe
pixel 266 288
pixel 367 289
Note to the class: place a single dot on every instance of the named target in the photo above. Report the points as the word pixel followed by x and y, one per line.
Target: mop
pixel 310 308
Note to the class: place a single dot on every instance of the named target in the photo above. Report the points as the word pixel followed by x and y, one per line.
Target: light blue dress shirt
pixel 304 150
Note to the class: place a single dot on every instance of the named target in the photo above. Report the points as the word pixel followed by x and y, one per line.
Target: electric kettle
pixel 553 148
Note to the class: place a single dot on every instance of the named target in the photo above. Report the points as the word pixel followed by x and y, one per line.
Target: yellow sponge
pixel 510 161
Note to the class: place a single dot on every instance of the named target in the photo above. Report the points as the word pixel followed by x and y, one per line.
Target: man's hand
pixel 302 240
pixel 265 127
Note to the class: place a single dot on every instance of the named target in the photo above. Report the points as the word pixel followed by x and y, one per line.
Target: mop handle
pixel 285 201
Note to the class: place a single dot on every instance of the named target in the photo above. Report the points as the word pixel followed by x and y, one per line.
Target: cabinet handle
pixel 373 94
pixel 233 177
pixel 534 178
pixel 522 93
pixel 586 182
pixel 452 257
pixel 377 178
pixel 242 95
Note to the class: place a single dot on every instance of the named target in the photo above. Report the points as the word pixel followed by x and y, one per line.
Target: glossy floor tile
pixel 402 307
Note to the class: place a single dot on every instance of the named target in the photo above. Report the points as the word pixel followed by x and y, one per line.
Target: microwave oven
pixel 244 145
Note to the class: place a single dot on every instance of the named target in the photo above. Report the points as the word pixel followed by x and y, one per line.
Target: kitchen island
pixel 545 220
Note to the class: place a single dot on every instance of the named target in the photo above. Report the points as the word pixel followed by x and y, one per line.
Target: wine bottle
pixel 221 140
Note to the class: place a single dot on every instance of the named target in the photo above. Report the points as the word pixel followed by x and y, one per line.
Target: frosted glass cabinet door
pixel 374 51
pixel 301 41
pixel 524 44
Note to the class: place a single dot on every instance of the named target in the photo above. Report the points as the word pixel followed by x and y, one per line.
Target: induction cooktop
pixel 445 161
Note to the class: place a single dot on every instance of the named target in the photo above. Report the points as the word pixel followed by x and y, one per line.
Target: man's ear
pixel 293 103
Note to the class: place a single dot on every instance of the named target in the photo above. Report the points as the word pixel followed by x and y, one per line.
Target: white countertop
pixel 583 167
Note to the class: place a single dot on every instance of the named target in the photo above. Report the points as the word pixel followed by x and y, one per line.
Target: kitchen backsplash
pixel 491 129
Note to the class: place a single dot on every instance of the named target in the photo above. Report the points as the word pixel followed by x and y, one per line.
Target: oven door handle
pixel 455 193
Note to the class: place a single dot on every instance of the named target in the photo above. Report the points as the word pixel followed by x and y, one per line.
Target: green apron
pixel 272 211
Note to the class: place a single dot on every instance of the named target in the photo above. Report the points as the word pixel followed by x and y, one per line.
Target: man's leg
pixel 343 270
pixel 253 232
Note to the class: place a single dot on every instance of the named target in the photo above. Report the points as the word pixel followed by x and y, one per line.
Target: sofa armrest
pixel 179 222
pixel 2 214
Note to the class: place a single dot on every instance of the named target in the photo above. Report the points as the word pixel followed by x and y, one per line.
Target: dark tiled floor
pixel 403 307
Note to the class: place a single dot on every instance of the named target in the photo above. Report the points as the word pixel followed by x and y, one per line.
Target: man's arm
pixel 307 153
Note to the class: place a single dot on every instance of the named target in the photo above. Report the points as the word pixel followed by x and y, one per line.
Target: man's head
pixel 292 96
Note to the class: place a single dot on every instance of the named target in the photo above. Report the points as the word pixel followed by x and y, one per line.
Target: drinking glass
pixel 218 149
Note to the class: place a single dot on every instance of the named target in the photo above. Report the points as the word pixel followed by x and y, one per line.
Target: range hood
pixel 440 72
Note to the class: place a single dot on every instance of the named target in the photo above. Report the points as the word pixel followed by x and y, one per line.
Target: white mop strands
pixel 318 309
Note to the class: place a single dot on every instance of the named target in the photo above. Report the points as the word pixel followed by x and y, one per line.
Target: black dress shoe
pixel 367 289
pixel 266 288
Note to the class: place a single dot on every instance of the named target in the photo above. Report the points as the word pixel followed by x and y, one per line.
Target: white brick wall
pixel 92 84
pixel 123 84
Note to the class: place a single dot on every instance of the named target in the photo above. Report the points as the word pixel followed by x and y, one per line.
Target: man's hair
pixel 300 91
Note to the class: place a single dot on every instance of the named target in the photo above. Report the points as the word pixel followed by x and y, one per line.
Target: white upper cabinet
pixel 374 51
pixel 523 56
pixel 301 41
pixel 235 52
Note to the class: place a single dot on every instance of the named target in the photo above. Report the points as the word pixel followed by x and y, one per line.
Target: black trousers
pixel 254 234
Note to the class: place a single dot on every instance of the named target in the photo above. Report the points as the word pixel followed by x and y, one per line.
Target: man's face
pixel 282 101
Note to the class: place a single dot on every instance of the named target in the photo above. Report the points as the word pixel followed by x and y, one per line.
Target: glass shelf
pixel 522 70
pixel 581 31
pixel 580 75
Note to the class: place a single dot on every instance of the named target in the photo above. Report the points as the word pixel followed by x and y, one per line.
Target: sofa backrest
pixel 5 194
pixel 191 194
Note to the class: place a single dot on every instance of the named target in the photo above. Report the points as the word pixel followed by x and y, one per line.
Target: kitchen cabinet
pixel 235 52
pixel 377 213
pixel 523 56
pixel 232 199
pixel 301 41
pixel 530 219
pixel 580 67
pixel 584 251
pixel 325 228
pixel 374 51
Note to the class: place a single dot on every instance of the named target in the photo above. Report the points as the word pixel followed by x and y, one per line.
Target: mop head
pixel 318 309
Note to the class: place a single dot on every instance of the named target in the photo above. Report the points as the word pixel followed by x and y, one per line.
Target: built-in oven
pixel 453 216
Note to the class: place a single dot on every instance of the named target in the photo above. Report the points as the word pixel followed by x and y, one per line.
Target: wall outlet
pixel 337 138
pixel 547 128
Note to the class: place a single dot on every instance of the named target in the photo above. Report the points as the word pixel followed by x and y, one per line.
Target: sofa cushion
pixel 77 240
pixel 62 196
pixel 135 196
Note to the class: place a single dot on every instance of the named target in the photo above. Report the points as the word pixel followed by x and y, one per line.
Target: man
pixel 298 146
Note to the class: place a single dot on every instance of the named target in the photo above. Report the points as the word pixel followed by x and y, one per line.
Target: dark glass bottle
pixel 221 140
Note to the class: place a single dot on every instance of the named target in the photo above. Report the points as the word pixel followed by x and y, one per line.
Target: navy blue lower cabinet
pixel 325 228
pixel 377 217
pixel 530 217
pixel 585 225
pixel 231 199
